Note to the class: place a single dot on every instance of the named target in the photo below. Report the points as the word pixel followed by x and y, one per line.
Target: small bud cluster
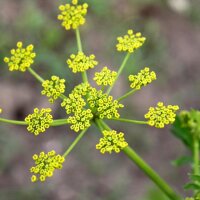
pixel 80 120
pixel 74 103
pixel 53 88
pixel 143 78
pixel 112 141
pixel 82 89
pixel 130 42
pixel 161 115
pixel 39 121
pixel 80 62
pixel 72 15
pixel 103 105
pixel 21 58
pixel 105 77
pixel 45 164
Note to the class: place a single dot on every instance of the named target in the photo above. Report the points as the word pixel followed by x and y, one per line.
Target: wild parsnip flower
pixel 161 115
pixel 105 77
pixel 45 164
pixel 82 89
pixel 39 121
pixel 111 141
pixel 143 78
pixel 74 103
pixel 21 58
pixel 80 120
pixel 80 62
pixel 72 15
pixel 130 42
pixel 53 88
pixel 0 110
pixel 103 105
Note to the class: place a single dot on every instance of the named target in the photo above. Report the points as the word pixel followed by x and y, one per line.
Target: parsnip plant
pixel 87 105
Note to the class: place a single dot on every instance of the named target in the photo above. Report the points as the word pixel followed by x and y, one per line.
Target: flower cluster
pixel 80 120
pixel 72 15
pixel 53 88
pixel 82 89
pixel 80 62
pixel 105 77
pixel 130 42
pixel 112 141
pixel 161 115
pixel 45 164
pixel 143 78
pixel 74 103
pixel 39 121
pixel 103 105
pixel 21 58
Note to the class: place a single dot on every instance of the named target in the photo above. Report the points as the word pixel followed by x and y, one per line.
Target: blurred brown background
pixel 172 50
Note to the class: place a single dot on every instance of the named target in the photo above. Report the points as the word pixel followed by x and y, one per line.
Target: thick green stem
pixel 119 71
pixel 196 155
pixel 74 143
pixel 126 95
pixel 16 122
pixel 129 120
pixel 132 155
pixel 79 44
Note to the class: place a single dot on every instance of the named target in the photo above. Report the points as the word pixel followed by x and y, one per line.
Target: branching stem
pixel 129 120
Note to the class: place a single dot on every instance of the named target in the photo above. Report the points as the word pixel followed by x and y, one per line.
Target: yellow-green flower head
pixel 0 110
pixel 82 89
pixel 105 77
pixel 74 103
pixel 161 115
pixel 112 141
pixel 80 120
pixel 72 15
pixel 130 42
pixel 143 78
pixel 45 164
pixel 80 62
pixel 53 88
pixel 21 58
pixel 39 121
pixel 103 105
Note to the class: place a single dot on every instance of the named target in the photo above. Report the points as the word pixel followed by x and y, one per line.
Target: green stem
pixel 126 95
pixel 37 76
pixel 79 44
pixel 59 122
pixel 129 120
pixel 74 143
pixel 196 156
pixel 16 122
pixel 119 71
pixel 132 155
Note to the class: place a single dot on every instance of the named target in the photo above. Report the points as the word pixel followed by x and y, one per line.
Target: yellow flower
pixel 21 58
pixel 143 78
pixel 130 42
pixel 105 77
pixel 53 88
pixel 112 141
pixel 161 115
pixel 82 89
pixel 39 121
pixel 45 164
pixel 0 110
pixel 81 62
pixel 72 15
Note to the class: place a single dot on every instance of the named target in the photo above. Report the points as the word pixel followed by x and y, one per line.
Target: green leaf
pixel 192 186
pixel 182 161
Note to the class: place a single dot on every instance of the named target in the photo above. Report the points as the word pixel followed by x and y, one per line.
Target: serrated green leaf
pixel 192 186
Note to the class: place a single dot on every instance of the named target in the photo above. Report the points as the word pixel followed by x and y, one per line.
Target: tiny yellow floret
pixel 130 42
pixel 21 58
pixel 72 15
pixel 161 115
pixel 105 77
pixel 80 62
pixel 143 78
pixel 39 121
pixel 111 141
pixel 45 164
pixel 53 88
